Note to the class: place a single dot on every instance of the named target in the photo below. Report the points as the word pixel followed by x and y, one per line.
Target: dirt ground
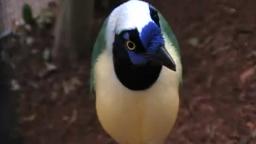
pixel 218 94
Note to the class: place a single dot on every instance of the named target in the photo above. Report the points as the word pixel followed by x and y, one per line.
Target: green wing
pixel 98 48
pixel 167 29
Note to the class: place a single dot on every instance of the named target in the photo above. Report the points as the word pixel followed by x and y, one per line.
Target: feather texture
pixel 100 45
pixel 98 48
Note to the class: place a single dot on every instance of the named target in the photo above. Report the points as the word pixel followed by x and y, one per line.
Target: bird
pixel 136 74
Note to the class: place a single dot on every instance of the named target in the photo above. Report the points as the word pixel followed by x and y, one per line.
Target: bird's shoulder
pixel 166 29
pixel 98 48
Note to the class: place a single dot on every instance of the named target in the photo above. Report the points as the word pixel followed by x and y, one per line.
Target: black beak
pixel 162 57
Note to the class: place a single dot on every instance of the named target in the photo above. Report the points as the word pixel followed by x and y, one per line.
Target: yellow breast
pixel 135 117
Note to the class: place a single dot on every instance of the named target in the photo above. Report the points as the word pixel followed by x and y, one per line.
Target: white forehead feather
pixel 130 15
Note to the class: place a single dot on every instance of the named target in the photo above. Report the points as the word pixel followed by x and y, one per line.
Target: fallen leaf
pixel 247 74
pixel 29 41
pixel 15 86
pixel 50 68
pixel 71 85
pixel 193 41
pixel 29 118
pixel 250 125
pixel 47 54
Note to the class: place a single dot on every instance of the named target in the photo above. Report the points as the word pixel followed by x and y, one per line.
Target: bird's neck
pixel 131 76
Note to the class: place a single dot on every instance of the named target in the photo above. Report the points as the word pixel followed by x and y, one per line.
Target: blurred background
pixel 45 49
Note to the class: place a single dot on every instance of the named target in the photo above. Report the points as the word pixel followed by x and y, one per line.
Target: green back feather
pixel 27 14
pixel 167 29
pixel 98 48
pixel 170 35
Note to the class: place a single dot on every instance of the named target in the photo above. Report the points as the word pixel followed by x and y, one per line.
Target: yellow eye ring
pixel 130 45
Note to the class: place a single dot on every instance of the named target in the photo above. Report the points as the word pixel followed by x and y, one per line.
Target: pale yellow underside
pixel 136 117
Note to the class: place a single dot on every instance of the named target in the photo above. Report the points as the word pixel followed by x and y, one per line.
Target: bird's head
pixel 138 37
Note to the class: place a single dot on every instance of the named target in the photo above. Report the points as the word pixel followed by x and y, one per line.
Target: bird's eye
pixel 130 45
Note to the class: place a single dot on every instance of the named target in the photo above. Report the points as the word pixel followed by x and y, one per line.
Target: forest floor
pixel 218 94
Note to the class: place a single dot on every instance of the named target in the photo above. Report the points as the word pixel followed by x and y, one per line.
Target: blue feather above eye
pixel 151 37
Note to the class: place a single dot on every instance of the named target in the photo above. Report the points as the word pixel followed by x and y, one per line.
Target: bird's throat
pixel 131 76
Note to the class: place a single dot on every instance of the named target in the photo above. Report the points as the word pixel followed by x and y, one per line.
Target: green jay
pixel 136 74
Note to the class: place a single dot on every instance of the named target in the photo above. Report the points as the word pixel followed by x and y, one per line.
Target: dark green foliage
pixel 8 105
pixel 27 14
